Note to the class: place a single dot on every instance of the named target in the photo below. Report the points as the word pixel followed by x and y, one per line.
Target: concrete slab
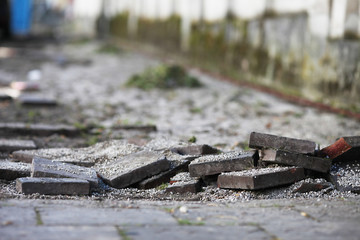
pixel 48 168
pixel 225 162
pixel 53 186
pixel 262 140
pixel 260 178
pixel 10 170
pixel 133 168
pixel 10 145
pixel 295 159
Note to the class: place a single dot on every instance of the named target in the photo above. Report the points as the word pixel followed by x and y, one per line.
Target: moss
pixel 163 77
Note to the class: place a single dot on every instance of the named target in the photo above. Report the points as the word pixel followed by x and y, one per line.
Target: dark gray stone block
pixel 182 183
pixel 37 101
pixel 295 159
pixel 41 130
pixel 260 178
pixel 47 168
pixel 226 162
pixel 5 97
pixel 143 128
pixel 262 140
pixel 195 150
pixel 133 168
pixel 312 187
pixel 53 186
pixel 10 145
pixel 11 171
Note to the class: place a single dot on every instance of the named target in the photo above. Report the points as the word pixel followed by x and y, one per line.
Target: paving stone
pixel 182 183
pixel 10 145
pixel 42 130
pixel 133 168
pixel 16 216
pixel 261 178
pixel 225 162
pixel 5 97
pixel 25 86
pixel 143 128
pixel 53 186
pixel 312 187
pixel 11 171
pixel 195 150
pixel 37 101
pixel 262 140
pixel 48 168
pixel 176 166
pixel 344 149
pixel 295 159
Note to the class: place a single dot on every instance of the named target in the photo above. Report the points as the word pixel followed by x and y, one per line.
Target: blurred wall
pixel 306 47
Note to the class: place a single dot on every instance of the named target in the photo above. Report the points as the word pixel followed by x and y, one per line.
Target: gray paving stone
pixel 143 128
pixel 42 130
pixel 10 170
pixel 344 149
pixel 10 145
pixel 53 186
pixel 226 162
pixel 295 159
pixel 262 140
pixel 37 101
pixel 195 150
pixel 182 183
pixel 312 187
pixel 48 168
pixel 260 178
pixel 60 233
pixel 16 216
pixel 133 168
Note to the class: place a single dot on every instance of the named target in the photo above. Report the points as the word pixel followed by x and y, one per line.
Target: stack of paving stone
pixel 275 161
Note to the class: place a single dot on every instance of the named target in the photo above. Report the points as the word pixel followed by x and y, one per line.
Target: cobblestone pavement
pixel 220 114
pixel 257 219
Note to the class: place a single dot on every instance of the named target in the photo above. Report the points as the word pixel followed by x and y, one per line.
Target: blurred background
pixel 307 48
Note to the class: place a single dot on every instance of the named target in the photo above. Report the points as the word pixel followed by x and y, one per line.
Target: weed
pixel 195 110
pixel 122 234
pixel 192 139
pixel 163 186
pixel 38 217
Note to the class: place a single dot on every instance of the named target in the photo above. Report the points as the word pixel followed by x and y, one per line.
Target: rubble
pixel 47 168
pixel 225 162
pixel 295 159
pixel 261 178
pixel 10 145
pixel 262 140
pixel 43 130
pixel 132 168
pixel 53 186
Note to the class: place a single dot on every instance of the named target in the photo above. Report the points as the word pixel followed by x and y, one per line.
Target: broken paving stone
pixel 11 171
pixel 10 145
pixel 312 187
pixel 42 130
pixel 183 183
pixel 295 159
pixel 133 168
pixel 225 162
pixel 53 186
pixel 37 101
pixel 262 140
pixel 48 168
pixel 143 128
pixel 260 178
pixel 344 149
pixel 195 150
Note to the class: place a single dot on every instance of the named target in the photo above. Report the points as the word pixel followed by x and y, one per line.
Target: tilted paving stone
pixel 53 186
pixel 344 149
pixel 195 150
pixel 312 187
pixel 11 170
pixel 262 140
pixel 182 183
pixel 10 145
pixel 48 168
pixel 42 130
pixel 260 178
pixel 133 168
pixel 295 159
pixel 37 101
pixel 225 162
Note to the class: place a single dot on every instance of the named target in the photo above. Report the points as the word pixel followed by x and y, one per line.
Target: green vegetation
pixel 189 223
pixel 38 217
pixel 163 77
pixel 192 139
pixel 122 234
pixel 163 186
pixel 109 48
